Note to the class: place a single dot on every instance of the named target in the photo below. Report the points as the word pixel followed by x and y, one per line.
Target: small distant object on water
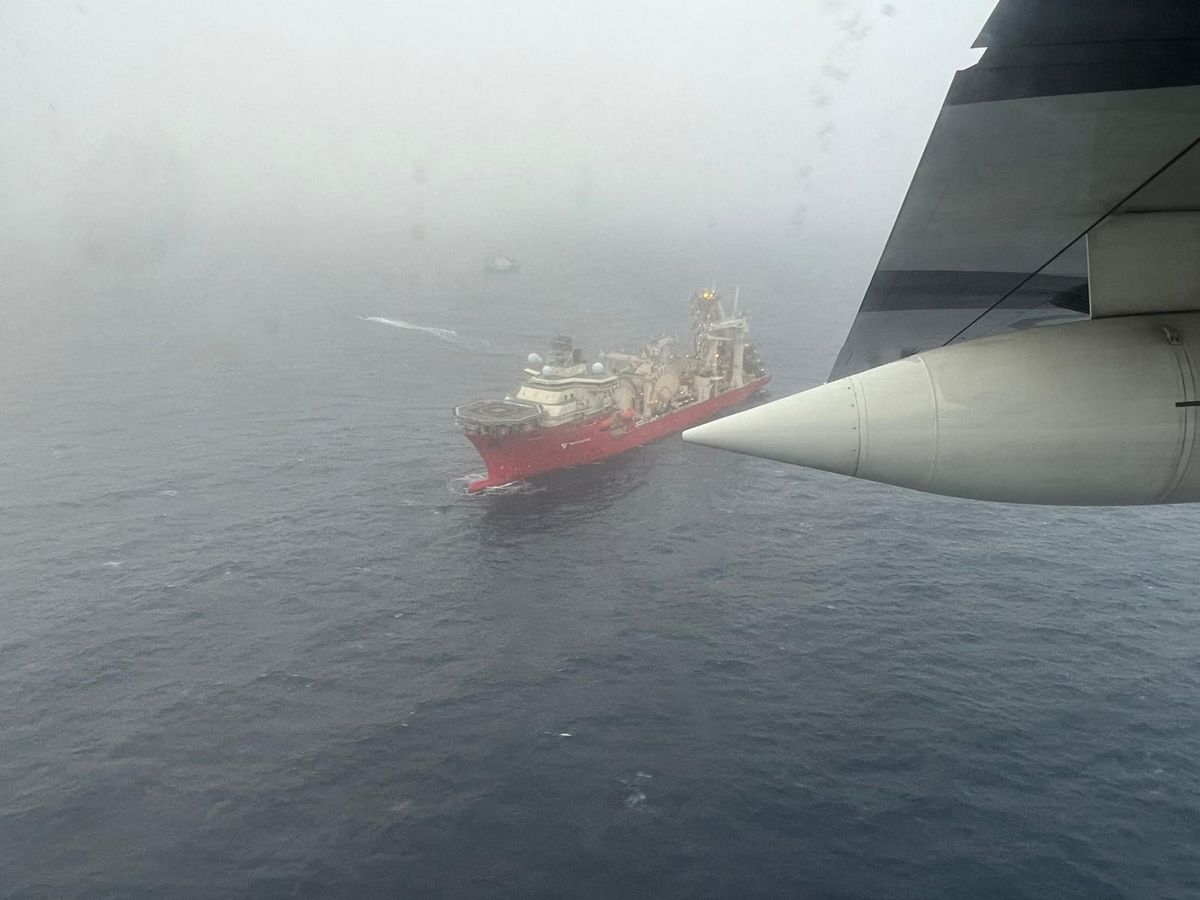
pixel 571 410
pixel 501 265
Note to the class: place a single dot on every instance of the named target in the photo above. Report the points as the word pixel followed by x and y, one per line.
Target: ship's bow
pixel 497 428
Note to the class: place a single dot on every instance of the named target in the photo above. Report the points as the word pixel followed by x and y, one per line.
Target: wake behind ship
pixel 569 412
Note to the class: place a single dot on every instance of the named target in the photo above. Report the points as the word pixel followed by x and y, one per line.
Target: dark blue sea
pixel 257 641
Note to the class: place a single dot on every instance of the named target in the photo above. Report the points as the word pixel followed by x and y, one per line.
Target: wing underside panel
pixel 1035 146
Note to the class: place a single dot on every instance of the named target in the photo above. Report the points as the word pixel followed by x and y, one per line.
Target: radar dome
pixel 546 370
pixel 597 368
pixel 534 359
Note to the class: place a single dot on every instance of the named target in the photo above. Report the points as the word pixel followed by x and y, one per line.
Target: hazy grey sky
pixel 125 119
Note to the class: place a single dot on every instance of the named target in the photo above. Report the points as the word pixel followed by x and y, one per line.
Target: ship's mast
pixel 719 340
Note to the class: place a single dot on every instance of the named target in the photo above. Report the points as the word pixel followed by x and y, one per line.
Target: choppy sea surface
pixel 256 640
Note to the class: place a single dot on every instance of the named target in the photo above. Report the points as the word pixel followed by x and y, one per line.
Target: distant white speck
pixel 169 492
pixel 112 564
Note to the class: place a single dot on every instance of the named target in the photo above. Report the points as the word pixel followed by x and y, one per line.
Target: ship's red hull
pixel 516 457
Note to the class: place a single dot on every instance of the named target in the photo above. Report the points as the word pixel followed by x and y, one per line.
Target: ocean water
pixel 256 640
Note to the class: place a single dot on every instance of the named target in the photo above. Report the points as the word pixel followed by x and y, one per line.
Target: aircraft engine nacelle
pixel 1101 412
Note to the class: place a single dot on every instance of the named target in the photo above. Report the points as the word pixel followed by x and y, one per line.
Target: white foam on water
pixel 445 334
pixel 514 487
pixel 461 484
pixel 112 564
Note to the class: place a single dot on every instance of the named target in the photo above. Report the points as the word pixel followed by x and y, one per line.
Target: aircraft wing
pixel 1077 109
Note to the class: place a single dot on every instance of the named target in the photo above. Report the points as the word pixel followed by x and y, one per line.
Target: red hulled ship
pixel 569 411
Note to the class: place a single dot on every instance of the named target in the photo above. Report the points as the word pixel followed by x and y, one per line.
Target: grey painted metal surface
pixel 1145 263
pixel 1077 111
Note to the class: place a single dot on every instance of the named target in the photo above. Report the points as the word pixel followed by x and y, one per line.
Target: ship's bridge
pixel 568 396
pixel 558 381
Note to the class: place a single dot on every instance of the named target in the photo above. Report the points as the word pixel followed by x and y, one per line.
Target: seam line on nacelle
pixel 860 403
pixel 1187 378
pixel 934 397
